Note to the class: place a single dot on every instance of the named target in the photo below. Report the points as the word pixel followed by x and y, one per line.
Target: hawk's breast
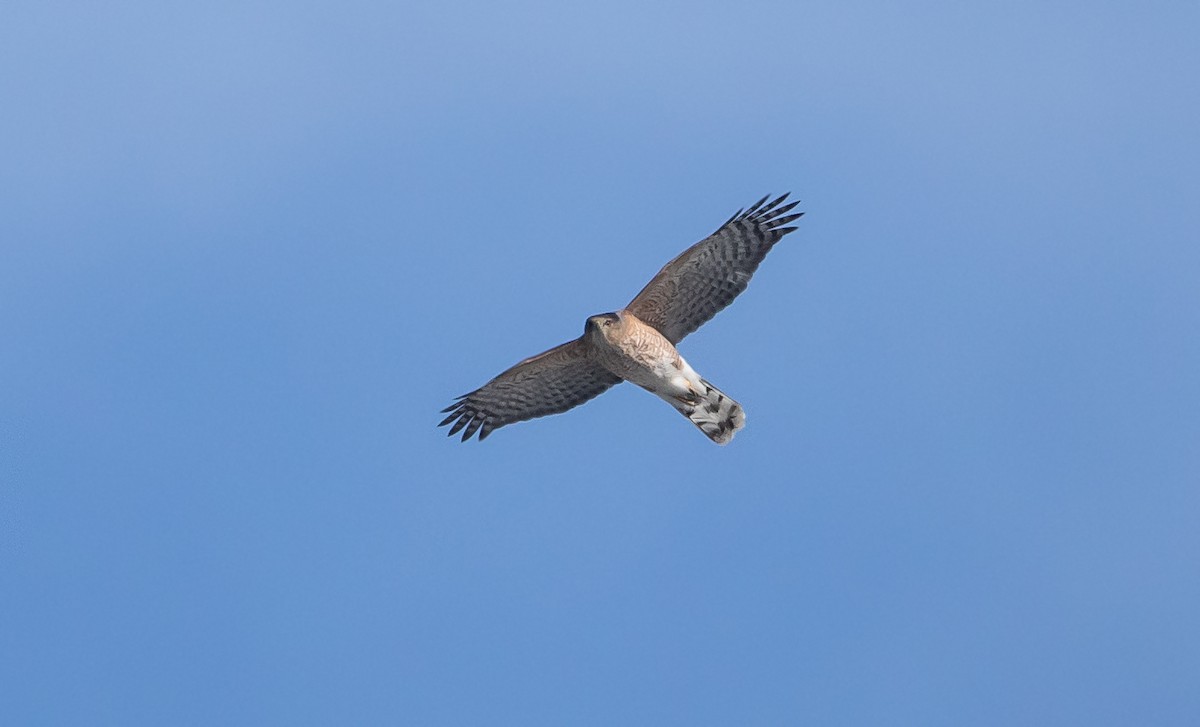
pixel 638 353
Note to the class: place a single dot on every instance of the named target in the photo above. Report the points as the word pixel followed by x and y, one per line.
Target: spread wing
pixel 548 383
pixel 690 289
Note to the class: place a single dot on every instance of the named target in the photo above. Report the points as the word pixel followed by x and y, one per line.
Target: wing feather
pixel 706 277
pixel 549 383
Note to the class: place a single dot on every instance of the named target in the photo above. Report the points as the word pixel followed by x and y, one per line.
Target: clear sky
pixel 249 250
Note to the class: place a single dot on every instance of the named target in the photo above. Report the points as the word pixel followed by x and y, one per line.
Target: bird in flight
pixel 637 343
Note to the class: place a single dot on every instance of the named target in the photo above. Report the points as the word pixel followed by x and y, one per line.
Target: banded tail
pixel 718 416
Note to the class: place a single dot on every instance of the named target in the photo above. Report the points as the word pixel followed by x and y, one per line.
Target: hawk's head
pixel 600 323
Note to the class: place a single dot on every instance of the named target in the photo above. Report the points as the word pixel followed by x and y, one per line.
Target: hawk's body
pixel 639 354
pixel 637 343
pixel 634 351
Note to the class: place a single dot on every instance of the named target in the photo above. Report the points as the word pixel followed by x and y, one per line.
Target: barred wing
pixel 693 287
pixel 548 383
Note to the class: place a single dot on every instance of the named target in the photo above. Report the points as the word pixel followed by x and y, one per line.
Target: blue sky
pixel 250 250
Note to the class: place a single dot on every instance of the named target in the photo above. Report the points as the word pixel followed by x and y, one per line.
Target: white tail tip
pixel 718 416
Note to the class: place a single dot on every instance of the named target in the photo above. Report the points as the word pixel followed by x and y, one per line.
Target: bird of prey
pixel 637 343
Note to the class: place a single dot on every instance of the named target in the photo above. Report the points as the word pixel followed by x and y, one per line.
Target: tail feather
pixel 718 416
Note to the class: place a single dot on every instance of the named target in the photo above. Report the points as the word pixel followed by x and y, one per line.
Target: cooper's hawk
pixel 637 343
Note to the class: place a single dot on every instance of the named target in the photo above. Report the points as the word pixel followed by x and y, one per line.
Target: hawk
pixel 637 343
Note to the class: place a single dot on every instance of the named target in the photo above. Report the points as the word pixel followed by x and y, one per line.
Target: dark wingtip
pixel 754 207
pixel 773 204
pixel 472 428
pixel 463 421
pixel 759 209
pixel 458 401
pixel 787 207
